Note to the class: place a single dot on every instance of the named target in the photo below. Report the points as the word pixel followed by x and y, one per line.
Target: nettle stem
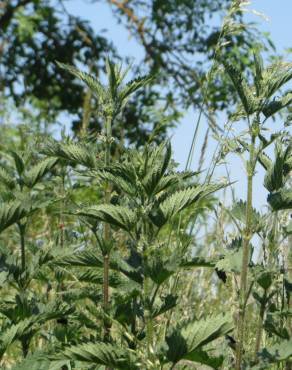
pixel 148 317
pixel 22 227
pixel 147 293
pixel 260 325
pixel 22 246
pixel 245 256
pixel 107 231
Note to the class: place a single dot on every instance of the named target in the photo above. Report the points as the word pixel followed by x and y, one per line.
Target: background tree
pixel 179 40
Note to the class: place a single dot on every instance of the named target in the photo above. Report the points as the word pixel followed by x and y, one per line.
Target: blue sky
pixel 279 25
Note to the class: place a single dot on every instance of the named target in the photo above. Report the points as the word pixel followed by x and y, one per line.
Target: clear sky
pixel 279 25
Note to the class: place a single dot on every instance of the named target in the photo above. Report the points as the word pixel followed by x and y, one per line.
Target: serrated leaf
pixel 36 362
pixel 248 101
pixel 19 162
pixel 100 354
pixel 11 213
pixel 275 76
pixel 278 352
pixel 274 178
pixel 35 174
pixel 90 81
pixel 280 200
pixel 276 105
pixel 265 160
pixel 202 357
pixel 187 340
pixel 184 198
pixel 167 303
pixel 12 333
pixel 135 85
pixel 259 66
pixel 238 212
pixel 231 262
pixel 71 152
pixel 119 178
pixel 85 258
pixel 95 276
pixel 122 217
pixel 7 179
pixel 197 262
pixel 157 164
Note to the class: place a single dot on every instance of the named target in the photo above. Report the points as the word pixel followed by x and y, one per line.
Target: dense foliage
pixel 111 258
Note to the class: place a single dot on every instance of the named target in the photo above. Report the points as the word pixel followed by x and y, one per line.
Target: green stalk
pixel 260 325
pixel 22 227
pixel 107 232
pixel 86 113
pixel 22 246
pixel 148 317
pixel 147 292
pixel 245 256
pixel 107 235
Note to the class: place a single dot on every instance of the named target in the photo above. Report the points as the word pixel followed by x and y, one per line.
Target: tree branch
pixel 9 12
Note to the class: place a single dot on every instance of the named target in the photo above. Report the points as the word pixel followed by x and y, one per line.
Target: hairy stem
pixel 245 256
pixel 86 112
pixel 106 234
pixel 260 325
pixel 22 246
pixel 147 293
pixel 148 317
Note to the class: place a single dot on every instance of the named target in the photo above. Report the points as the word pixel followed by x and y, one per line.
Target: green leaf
pixel 120 177
pixel 159 269
pixel 274 178
pixel 71 152
pixel 168 302
pixel 265 279
pixel 197 262
pixel 7 179
pixel 238 212
pixel 278 352
pixel 86 258
pixel 264 160
pixel 182 199
pixel 12 333
pixel 157 164
pixel 275 76
pixel 276 105
pixel 259 66
pixel 135 85
pixel 19 162
pixel 12 212
pixel 244 91
pixel 275 328
pixel 100 354
pixel 90 81
pixel 281 200
pixel 122 217
pixel 95 276
pixel 36 362
pixel 35 174
pixel 231 262
pixel 183 343
pixel 202 357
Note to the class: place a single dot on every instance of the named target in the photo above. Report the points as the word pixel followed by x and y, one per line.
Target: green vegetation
pixel 111 258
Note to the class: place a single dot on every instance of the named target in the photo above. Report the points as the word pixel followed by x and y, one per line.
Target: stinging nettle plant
pixel 257 104
pixel 101 260
pixel 149 194
pixel 127 250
